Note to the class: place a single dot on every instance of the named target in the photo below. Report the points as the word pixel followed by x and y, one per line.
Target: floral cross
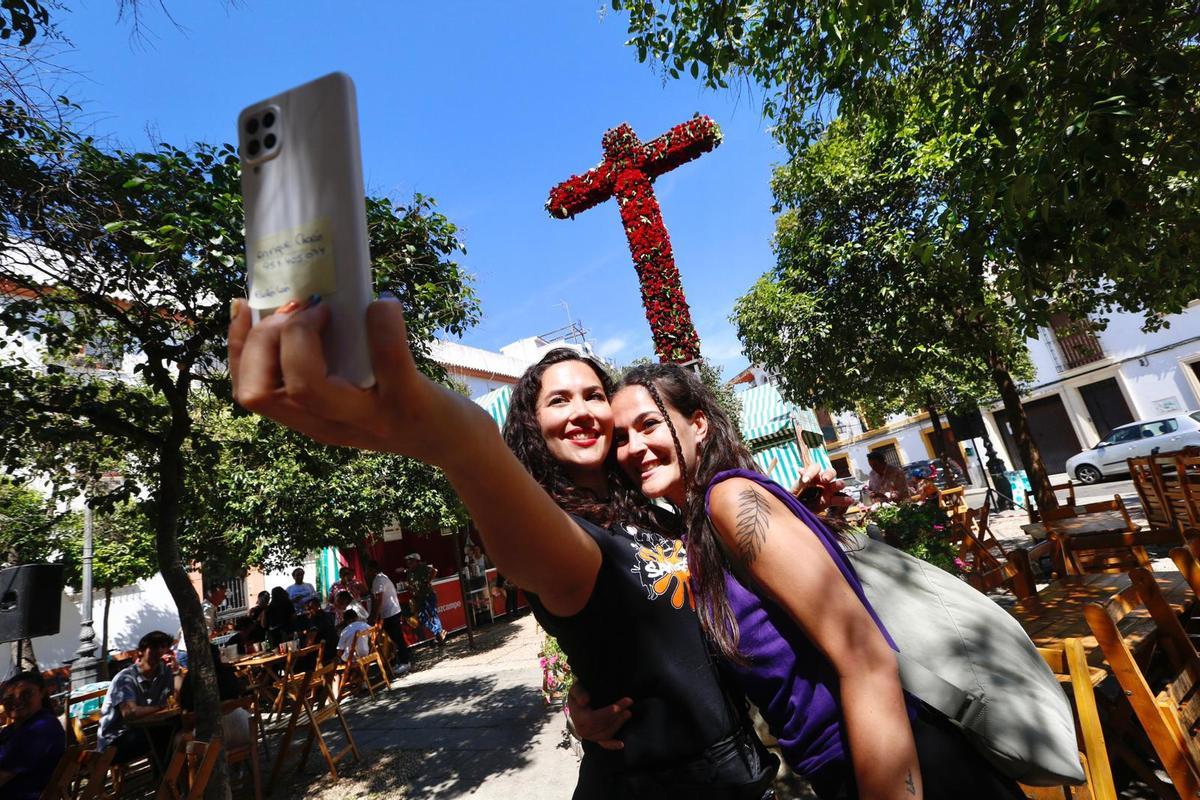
pixel 627 172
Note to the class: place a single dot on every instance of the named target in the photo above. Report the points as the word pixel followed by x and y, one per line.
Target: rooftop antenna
pixel 573 331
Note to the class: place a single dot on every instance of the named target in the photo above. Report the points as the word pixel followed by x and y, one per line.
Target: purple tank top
pixel 784 674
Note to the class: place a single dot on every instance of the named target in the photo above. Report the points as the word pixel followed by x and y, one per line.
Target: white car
pixel 1137 439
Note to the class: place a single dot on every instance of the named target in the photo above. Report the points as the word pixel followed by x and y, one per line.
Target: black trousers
pixel 395 631
pixel 951 768
pixel 735 768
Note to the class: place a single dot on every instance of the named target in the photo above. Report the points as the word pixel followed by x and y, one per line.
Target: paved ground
pixel 463 724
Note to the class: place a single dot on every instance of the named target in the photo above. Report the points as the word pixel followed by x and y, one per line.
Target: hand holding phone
pixel 306 222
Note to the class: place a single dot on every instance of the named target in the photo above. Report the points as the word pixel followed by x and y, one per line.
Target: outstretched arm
pixel 278 370
pixel 789 563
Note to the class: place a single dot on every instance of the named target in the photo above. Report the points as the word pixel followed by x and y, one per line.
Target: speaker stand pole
pixel 85 668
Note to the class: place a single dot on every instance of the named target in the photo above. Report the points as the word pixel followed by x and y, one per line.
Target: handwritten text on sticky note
pixel 292 265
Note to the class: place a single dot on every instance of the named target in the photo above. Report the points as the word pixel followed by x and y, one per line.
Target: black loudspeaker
pixel 30 601
pixel 968 425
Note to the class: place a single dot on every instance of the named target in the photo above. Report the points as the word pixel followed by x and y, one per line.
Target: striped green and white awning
pixel 781 462
pixel 765 414
pixel 496 403
pixel 771 425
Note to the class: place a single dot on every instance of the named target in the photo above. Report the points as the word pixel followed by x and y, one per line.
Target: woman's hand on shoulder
pixel 278 370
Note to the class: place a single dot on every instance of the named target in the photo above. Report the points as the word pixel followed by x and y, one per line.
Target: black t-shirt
pixel 639 637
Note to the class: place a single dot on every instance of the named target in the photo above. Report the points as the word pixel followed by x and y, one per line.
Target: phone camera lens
pixel 269 141
pixel 252 126
pixel 268 119
pixel 253 147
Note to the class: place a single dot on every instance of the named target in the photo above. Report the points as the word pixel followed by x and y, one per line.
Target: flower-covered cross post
pixel 627 172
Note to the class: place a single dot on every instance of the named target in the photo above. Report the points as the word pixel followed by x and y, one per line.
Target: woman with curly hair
pixel 603 575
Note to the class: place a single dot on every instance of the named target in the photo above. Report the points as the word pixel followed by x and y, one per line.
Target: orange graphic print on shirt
pixel 663 568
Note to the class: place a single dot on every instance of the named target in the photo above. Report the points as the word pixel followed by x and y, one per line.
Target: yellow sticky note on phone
pixel 292 265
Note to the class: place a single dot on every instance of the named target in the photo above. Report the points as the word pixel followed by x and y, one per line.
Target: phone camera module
pixel 268 120
pixel 253 147
pixel 269 141
pixel 252 126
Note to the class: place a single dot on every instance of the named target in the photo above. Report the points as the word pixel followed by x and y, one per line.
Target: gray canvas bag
pixel 962 654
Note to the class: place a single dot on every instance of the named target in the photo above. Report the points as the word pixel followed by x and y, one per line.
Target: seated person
pixel 342 602
pixel 33 742
pixel 247 633
pixel 320 629
pixel 346 641
pixel 137 691
pixel 235 724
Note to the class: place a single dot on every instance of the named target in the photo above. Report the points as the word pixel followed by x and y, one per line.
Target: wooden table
pixel 162 740
pixel 262 676
pixel 1096 522
pixel 1056 612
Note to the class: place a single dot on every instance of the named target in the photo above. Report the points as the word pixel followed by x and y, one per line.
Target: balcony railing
pixel 1076 340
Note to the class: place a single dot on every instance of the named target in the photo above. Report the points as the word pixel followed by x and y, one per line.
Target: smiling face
pixel 22 700
pixel 645 448
pixel 576 421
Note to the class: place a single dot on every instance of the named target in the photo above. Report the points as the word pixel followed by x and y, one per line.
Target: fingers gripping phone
pixel 306 220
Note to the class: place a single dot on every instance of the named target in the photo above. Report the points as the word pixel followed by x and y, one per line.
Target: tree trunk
pixel 104 634
pixel 1032 459
pixel 22 658
pixel 939 444
pixel 191 618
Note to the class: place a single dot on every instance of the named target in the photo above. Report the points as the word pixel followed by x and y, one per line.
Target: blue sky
pixel 483 106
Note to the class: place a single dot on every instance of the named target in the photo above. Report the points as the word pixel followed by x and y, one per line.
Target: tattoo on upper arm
pixel 752 524
pixel 910 784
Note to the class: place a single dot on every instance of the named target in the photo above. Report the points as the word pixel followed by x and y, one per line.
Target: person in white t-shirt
pixel 385 607
pixel 346 640
pixel 300 592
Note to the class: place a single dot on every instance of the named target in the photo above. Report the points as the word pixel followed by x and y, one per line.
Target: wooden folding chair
pixel 1150 494
pixel 79 775
pixel 953 501
pixel 200 759
pixel 357 671
pixel 1188 469
pixel 1169 710
pixel 247 752
pixel 312 706
pixel 1015 573
pixel 82 731
pixel 1031 507
pixel 243 752
pixel 1069 664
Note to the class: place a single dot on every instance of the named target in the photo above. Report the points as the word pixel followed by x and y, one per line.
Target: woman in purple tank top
pixel 780 601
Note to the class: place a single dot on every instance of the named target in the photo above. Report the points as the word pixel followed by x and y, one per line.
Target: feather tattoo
pixel 753 520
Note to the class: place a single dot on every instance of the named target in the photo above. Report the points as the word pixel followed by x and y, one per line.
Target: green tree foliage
pixel 28 525
pixel 859 312
pixel 23 20
pixel 1063 133
pixel 108 255
pixel 1066 128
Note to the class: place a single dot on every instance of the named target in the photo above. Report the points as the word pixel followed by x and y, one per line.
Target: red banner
pixel 449 607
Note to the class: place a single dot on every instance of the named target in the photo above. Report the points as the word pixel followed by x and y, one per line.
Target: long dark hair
pixel 722 449
pixel 524 437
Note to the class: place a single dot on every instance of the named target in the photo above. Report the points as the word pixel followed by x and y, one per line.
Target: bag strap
pixel 955 703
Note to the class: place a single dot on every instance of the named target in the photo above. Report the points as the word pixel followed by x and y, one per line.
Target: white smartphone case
pixel 306 221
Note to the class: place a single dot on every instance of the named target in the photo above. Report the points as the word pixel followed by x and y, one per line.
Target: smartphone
pixel 306 218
